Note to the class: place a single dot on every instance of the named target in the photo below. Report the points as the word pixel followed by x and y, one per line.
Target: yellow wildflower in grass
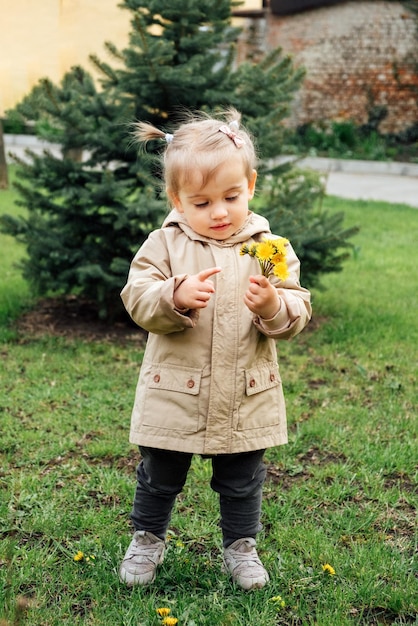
pixel 163 611
pixel 328 569
pixel 170 621
pixel 271 255
pixel 79 556
pixel 279 602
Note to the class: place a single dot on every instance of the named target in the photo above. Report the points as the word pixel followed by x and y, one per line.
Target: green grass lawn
pixel 342 492
pixel 14 292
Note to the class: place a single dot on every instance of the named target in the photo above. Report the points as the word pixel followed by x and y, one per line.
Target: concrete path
pixel 393 189
pixel 368 180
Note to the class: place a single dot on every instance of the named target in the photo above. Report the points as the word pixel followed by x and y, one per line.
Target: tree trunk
pixel 4 180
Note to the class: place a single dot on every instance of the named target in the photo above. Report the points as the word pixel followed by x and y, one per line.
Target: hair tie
pixel 168 137
pixel 227 130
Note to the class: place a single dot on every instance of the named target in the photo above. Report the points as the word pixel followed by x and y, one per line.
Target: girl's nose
pixel 219 211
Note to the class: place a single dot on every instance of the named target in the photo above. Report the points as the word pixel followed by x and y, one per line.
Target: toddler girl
pixel 209 382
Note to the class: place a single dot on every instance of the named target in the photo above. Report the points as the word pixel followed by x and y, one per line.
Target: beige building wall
pixel 45 38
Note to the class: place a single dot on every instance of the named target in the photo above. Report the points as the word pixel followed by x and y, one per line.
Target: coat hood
pixel 254 225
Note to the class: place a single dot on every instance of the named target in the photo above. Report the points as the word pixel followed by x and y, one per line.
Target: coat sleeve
pixel 295 310
pixel 148 295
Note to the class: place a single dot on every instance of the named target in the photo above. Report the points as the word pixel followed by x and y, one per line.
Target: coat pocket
pixel 263 403
pixel 171 398
pixel 261 378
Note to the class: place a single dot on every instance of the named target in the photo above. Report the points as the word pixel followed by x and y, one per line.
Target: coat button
pixel 272 378
pixel 190 384
pixel 157 378
pixel 252 382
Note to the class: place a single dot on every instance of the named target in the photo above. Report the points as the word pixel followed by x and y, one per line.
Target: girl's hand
pixel 262 298
pixel 196 291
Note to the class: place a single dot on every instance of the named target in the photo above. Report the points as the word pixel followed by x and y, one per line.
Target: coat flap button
pixel 252 382
pixel 272 377
pixel 157 378
pixel 190 383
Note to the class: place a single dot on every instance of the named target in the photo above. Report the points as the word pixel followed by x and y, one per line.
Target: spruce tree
pixel 87 216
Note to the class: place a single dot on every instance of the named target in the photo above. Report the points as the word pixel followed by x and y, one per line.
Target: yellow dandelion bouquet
pixel 271 255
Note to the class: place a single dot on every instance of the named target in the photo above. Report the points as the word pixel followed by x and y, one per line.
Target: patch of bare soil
pixel 75 318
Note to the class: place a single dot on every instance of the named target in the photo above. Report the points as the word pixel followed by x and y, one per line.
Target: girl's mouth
pixel 220 226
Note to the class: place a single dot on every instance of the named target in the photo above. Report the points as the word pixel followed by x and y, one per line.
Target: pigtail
pixel 144 132
pixel 233 118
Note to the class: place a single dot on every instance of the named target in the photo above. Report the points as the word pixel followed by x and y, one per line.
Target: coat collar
pixel 254 225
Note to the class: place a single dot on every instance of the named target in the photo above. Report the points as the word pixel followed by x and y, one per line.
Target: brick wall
pixel 357 55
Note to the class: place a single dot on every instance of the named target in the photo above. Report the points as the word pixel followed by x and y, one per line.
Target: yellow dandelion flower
pixel 251 249
pixel 280 270
pixel 279 602
pixel 265 250
pixel 328 569
pixel 163 611
pixel 281 245
pixel 170 621
pixel 79 556
pixel 271 255
pixel 277 257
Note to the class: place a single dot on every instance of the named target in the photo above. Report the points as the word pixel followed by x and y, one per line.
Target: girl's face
pixel 220 208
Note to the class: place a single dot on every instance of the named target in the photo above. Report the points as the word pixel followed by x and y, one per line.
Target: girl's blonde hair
pixel 201 143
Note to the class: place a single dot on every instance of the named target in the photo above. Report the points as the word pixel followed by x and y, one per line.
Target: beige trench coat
pixel 209 382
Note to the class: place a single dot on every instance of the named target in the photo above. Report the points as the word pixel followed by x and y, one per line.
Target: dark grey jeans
pixel 238 478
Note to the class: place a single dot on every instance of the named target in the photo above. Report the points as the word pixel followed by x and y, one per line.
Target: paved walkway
pixel 368 180
pixel 394 189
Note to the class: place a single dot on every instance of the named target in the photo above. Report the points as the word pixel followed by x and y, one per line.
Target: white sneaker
pixel 145 553
pixel 242 562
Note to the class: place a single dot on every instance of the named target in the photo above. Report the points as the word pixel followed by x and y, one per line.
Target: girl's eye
pixel 231 198
pixel 200 205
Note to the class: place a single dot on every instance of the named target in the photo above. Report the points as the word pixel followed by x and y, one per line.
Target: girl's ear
pixel 251 184
pixel 174 201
